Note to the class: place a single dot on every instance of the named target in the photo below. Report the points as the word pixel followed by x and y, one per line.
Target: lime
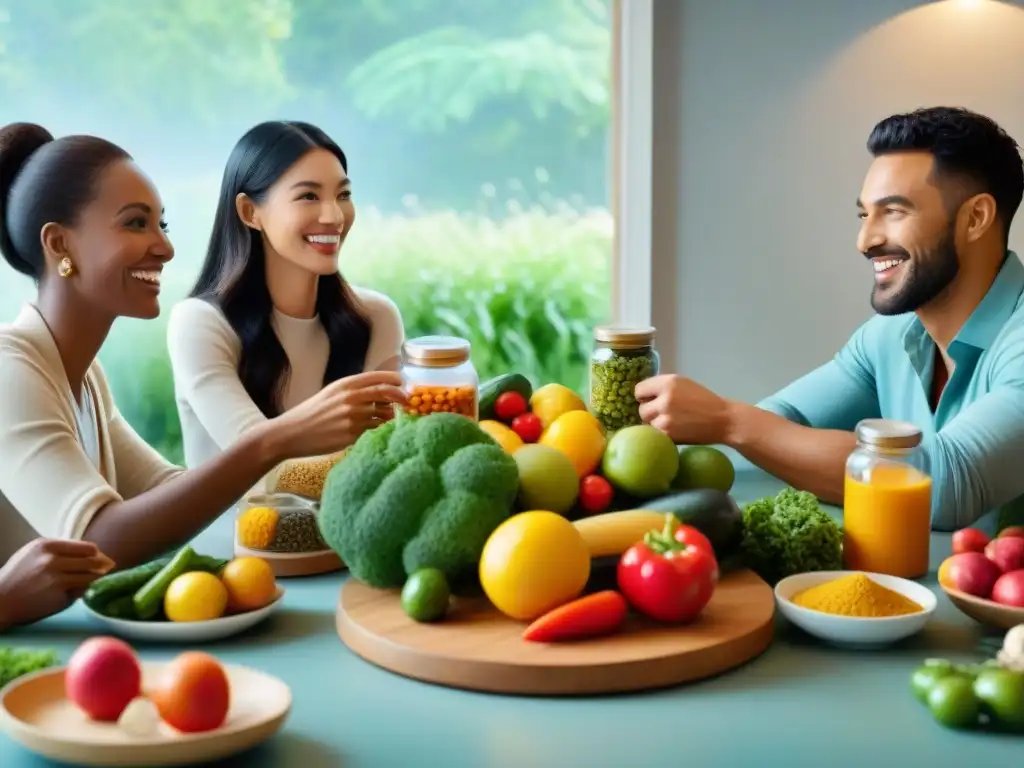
pixel 425 595
pixel 924 678
pixel 1001 692
pixel 701 466
pixel 953 703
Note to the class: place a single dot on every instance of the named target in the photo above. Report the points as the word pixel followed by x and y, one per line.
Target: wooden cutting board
pixel 477 648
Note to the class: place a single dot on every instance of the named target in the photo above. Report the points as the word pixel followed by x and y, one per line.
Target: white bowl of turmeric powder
pixel 855 608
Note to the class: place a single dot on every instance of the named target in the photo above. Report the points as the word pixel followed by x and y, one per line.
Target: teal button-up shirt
pixel 975 438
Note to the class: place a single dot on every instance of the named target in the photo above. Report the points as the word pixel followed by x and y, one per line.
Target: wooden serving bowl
pixel 984 611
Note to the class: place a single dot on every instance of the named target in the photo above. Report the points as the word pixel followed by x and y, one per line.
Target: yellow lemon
pixel 533 562
pixel 503 435
pixel 580 436
pixel 552 400
pixel 195 596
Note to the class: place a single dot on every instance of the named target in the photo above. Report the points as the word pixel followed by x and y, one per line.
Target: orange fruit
pixel 580 436
pixel 250 583
pixel 944 579
pixel 193 694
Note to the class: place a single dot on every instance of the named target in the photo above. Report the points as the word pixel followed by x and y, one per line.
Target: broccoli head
pixel 417 492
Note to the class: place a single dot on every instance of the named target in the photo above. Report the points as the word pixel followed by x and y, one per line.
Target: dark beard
pixel 928 275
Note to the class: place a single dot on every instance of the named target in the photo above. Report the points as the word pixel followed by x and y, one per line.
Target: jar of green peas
pixel 622 357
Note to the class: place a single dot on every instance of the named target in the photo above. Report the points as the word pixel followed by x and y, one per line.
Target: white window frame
pixel 632 160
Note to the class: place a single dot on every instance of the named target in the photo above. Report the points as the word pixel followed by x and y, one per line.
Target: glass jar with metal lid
pixel 622 357
pixel 439 376
pixel 887 501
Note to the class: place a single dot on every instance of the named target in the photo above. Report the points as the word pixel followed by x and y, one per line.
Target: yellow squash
pixel 612 533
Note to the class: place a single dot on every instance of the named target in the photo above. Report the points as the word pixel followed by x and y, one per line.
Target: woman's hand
pixel 335 417
pixel 45 576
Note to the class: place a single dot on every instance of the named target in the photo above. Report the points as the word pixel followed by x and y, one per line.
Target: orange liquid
pixel 887 522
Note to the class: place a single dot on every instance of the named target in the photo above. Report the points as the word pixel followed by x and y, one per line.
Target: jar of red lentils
pixel 439 376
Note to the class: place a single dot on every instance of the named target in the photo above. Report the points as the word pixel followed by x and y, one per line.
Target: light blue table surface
pixel 799 704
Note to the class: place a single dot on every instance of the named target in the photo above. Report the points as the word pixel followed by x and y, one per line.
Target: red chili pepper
pixel 666 579
pixel 598 614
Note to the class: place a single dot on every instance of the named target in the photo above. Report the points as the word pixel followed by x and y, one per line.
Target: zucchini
pixel 149 597
pixel 492 389
pixel 712 512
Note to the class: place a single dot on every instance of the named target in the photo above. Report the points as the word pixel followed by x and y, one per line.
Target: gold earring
pixel 66 267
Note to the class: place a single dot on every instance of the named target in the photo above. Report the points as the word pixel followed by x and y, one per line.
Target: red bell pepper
pixel 598 614
pixel 668 579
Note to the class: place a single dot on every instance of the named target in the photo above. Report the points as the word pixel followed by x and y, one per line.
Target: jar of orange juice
pixel 887 501
pixel 439 376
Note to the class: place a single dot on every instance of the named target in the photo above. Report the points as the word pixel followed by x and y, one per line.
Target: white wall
pixel 761 117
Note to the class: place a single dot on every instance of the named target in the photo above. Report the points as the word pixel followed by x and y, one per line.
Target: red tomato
pixel 509 405
pixel 528 426
pixel 969 540
pixel 667 581
pixel 595 493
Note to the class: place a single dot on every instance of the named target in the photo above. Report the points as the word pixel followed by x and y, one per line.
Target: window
pixel 478 134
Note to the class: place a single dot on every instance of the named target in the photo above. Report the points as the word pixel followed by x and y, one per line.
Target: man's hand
pixel 684 410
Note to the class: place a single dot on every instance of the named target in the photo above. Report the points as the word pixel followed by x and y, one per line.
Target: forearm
pixel 138 529
pixel 806 458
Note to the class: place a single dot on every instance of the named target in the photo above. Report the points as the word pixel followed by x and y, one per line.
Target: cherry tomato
pixel 528 426
pixel 595 493
pixel 509 405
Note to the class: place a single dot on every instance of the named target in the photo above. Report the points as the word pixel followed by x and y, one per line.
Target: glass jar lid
pixel 436 351
pixel 886 433
pixel 625 335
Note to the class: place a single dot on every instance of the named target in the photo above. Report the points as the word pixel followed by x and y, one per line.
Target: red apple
pixel 969 540
pixel 1013 530
pixel 102 676
pixel 973 573
pixel 1007 553
pixel 1009 589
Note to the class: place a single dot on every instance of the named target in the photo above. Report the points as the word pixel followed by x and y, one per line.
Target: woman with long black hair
pixel 270 320
pixel 80 219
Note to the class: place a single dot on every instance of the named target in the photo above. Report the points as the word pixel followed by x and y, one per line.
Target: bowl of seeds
pixel 284 530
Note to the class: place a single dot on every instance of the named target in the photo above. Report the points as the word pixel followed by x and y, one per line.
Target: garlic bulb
pixel 1012 654
pixel 140 718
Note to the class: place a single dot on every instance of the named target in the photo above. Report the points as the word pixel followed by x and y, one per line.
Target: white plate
pixel 855 631
pixel 187 631
pixel 35 713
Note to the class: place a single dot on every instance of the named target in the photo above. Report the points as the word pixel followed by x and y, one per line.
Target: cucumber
pixel 102 592
pixel 149 596
pixel 492 389
pixel 712 512
pixel 120 583
pixel 122 607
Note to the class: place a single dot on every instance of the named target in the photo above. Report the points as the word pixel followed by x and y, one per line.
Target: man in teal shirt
pixel 945 350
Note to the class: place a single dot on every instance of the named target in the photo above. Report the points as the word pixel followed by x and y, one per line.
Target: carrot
pixel 598 614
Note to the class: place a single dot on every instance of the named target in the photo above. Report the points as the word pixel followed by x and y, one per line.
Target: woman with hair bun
pixel 79 218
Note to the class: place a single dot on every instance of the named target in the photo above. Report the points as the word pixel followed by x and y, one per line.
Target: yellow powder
pixel 855 595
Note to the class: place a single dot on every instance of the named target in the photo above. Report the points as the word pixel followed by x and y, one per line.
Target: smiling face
pixel 907 232
pixel 307 213
pixel 118 246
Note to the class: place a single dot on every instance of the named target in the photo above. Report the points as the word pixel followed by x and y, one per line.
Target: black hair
pixel 45 180
pixel 233 274
pixel 966 146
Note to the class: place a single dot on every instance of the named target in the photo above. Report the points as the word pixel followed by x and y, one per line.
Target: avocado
pixel 492 389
